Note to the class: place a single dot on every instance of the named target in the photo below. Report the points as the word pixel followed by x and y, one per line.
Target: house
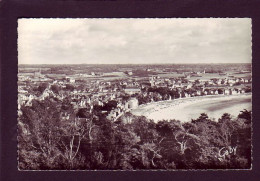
pixel 198 92
pixel 112 96
pixel 187 95
pixel 82 103
pixel 133 103
pixel 72 80
pixel 111 115
pixel 226 92
pixel 161 85
pixel 189 86
pixel 47 92
pixel 132 90
pixel 130 73
pixel 205 92
pixel 234 92
pixel 180 96
pixel 219 82
pixel 114 114
pixel 97 102
pixel 231 81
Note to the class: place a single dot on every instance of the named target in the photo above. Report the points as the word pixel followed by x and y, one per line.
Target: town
pixel 117 90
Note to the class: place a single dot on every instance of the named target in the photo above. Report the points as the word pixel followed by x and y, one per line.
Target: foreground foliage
pixel 52 135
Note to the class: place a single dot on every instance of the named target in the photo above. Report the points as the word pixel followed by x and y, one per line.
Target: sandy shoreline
pixel 175 108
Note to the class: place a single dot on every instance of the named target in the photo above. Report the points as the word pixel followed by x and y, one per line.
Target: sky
pixel 134 41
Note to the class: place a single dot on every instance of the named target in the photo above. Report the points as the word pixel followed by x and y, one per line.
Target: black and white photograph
pixel 134 94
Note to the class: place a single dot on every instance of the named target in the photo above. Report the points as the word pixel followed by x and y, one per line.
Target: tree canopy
pixel 52 135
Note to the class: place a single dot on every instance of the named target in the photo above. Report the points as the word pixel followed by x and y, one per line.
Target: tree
pixel 55 89
pixel 42 87
pixel 143 99
pixel 203 117
pixel 245 114
pixel 225 117
pixel 220 91
pixel 51 139
pixel 179 143
pixel 39 135
pixel 73 132
pixel 84 113
pixel 197 81
pixel 69 87
pixel 110 105
pixel 227 129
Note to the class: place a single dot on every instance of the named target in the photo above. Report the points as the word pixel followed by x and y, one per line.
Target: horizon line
pixel 124 63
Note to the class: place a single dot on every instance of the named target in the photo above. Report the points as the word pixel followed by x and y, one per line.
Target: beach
pixel 186 109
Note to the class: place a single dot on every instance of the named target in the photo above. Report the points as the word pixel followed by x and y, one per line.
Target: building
pixel 130 73
pixel 132 90
pixel 227 92
pixel 132 103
